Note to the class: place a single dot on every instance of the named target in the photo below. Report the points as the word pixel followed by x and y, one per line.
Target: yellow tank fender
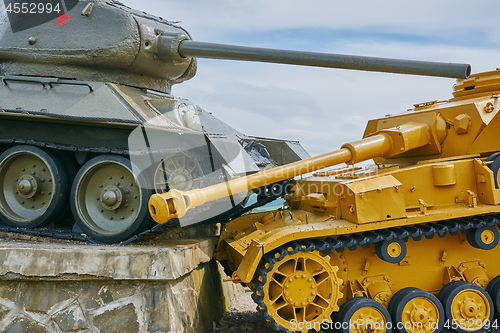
pixel 267 232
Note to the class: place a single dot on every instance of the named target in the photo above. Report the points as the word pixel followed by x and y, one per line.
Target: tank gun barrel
pixel 189 48
pixel 386 143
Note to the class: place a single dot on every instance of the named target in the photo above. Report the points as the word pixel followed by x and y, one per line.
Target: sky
pixel 324 108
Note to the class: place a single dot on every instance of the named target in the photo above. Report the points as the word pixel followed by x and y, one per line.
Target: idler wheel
pixel 485 238
pixel 468 307
pixel 109 202
pixel 178 171
pixel 416 311
pixel 392 251
pixel 302 290
pixel 34 187
pixel 363 315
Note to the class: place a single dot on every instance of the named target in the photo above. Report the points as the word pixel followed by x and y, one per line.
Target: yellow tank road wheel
pixel 416 311
pixel 110 203
pixel 34 187
pixel 363 315
pixel 485 238
pixel 468 307
pixel 301 290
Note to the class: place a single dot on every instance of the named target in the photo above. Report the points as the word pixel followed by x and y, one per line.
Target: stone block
pixel 120 290
pixel 8 290
pixel 24 325
pixel 71 319
pixel 105 295
pixel 179 290
pixel 168 260
pixel 119 320
pixel 158 314
pixel 3 313
pixel 40 297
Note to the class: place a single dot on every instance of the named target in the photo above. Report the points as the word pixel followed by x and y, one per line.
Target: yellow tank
pixel 408 246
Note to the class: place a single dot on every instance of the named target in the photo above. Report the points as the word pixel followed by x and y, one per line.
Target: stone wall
pixel 175 287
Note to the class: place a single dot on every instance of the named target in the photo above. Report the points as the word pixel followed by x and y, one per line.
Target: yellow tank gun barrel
pixel 385 143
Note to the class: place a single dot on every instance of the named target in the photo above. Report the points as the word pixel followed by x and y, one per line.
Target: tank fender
pixel 248 266
pixel 276 238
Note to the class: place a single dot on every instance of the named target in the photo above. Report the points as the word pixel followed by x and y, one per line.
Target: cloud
pixel 211 18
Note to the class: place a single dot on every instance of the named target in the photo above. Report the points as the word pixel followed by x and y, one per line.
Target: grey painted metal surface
pixel 112 43
pixel 315 59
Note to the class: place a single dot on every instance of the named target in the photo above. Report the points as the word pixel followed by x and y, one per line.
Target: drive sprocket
pixel 298 289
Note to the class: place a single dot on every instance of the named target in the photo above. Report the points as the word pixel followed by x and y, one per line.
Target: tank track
pixel 365 239
pixel 77 234
pixel 82 237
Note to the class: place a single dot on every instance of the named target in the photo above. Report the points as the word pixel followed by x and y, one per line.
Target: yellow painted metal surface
pixel 402 197
pixel 368 319
pixel 386 142
pixel 373 199
pixel 471 304
pixel 465 125
pixel 300 279
pixel 419 312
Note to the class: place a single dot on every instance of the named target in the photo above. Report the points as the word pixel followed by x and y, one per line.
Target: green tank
pixel 88 122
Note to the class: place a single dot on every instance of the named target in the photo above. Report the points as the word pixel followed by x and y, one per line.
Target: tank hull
pixel 434 243
pixel 153 139
pixel 410 241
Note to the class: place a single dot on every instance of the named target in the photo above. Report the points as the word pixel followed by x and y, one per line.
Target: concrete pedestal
pixel 174 286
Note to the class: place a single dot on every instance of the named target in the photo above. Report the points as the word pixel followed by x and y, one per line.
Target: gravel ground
pixel 242 316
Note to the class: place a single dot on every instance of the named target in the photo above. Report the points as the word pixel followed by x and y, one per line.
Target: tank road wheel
pixel 301 290
pixel 179 172
pixel 485 238
pixel 392 251
pixel 109 203
pixel 468 307
pixel 34 187
pixel 493 290
pixel 416 311
pixel 363 315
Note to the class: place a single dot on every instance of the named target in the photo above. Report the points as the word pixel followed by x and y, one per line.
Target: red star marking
pixel 62 19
